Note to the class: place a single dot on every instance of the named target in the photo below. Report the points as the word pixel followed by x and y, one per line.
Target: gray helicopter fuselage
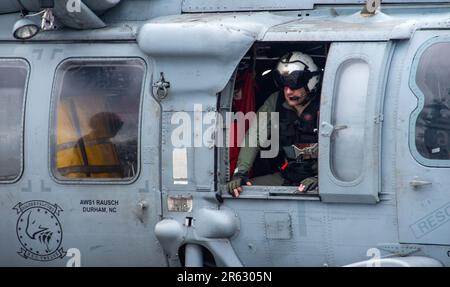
pixel 381 195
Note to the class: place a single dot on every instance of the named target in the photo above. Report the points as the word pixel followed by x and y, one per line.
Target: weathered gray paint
pixel 380 27
pixel 213 44
pixel 98 6
pixel 84 19
pixel 364 188
pixel 198 54
pixel 416 206
pixel 99 237
pixel 258 5
pixel 9 6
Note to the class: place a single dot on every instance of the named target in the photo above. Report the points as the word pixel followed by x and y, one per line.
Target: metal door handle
pixel 342 127
pixel 418 183
pixel 142 206
pixel 327 129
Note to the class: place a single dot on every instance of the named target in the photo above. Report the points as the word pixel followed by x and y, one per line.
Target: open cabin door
pixel 350 121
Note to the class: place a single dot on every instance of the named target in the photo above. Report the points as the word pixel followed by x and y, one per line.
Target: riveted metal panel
pixel 278 225
pixel 258 5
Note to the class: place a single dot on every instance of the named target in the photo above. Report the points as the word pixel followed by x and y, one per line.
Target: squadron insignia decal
pixel 39 230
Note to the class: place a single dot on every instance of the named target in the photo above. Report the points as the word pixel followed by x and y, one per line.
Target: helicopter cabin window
pixel 13 79
pixel 432 87
pixel 286 105
pixel 96 119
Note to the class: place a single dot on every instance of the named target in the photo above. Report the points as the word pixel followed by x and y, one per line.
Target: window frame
pixel 255 192
pixel 420 96
pixel 22 124
pixel 335 93
pixel 53 118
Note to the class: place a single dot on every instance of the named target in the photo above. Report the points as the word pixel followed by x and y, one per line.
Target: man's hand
pixel 308 184
pixel 234 185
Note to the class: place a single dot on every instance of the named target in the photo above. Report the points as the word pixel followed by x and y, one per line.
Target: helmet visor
pixel 295 80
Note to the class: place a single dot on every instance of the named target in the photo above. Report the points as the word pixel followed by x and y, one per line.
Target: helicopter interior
pixel 97 120
pixel 259 61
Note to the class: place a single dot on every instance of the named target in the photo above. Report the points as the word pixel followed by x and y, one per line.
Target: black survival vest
pixel 295 130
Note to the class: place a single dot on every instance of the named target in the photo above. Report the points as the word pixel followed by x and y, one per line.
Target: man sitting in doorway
pixel 298 104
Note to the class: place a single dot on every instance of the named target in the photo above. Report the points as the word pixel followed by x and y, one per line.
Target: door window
pixel 432 87
pixel 96 119
pixel 13 79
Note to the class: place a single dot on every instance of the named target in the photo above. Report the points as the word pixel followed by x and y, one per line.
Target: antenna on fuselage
pixel 371 7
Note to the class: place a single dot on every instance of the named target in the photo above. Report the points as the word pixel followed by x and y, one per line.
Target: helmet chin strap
pixel 305 100
pixel 309 96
